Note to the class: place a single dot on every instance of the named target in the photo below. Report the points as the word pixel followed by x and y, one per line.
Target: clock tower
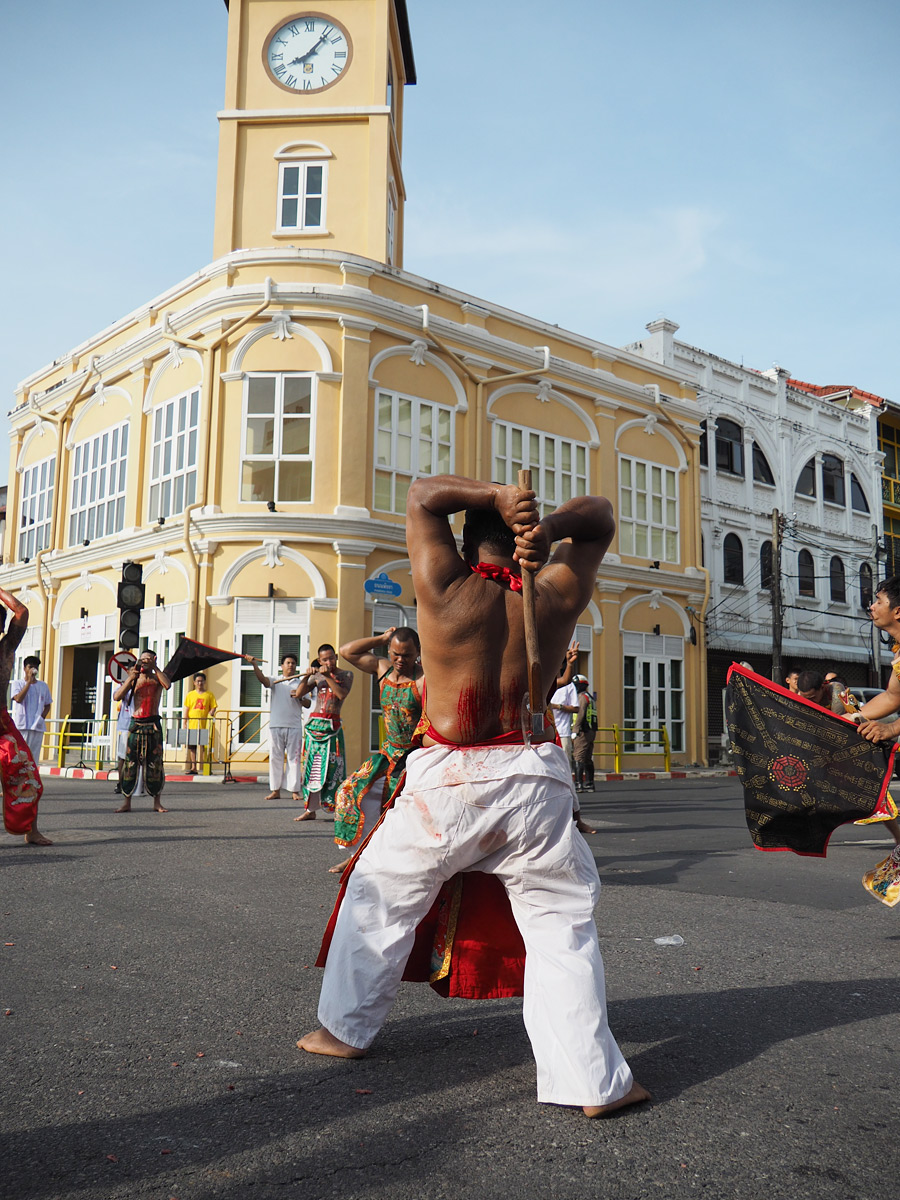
pixel 311 135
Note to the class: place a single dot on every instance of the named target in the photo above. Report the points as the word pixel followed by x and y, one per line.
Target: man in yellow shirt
pixel 199 708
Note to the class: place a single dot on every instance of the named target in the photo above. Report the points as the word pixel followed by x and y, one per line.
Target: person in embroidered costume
pixel 324 764
pixel 359 803
pixel 884 881
pixel 20 778
pixel 144 684
pixel 477 797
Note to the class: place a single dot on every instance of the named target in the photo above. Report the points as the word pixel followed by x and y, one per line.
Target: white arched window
pixel 302 188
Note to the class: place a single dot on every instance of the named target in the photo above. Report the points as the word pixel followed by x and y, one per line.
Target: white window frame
pixel 278 457
pixel 168 481
pixel 36 507
pixel 99 479
pixel 391 220
pixel 543 453
pixel 301 196
pixel 282 626
pixel 661 542
pixel 389 434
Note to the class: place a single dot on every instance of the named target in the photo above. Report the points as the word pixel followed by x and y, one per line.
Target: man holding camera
pixel 144 686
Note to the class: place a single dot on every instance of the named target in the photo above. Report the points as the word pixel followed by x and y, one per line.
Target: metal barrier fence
pixel 228 737
pixel 632 741
pixel 240 740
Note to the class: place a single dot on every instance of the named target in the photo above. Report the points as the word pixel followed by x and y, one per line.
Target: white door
pixel 654 697
pixel 265 629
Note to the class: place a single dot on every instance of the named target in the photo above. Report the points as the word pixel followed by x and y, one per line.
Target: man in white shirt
pixel 563 703
pixel 285 727
pixel 31 705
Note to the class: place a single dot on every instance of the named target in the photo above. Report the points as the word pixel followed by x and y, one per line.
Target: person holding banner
pixel 21 781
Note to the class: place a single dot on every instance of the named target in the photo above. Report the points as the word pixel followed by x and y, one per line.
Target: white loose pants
pixel 506 811
pixel 285 742
pixel 34 739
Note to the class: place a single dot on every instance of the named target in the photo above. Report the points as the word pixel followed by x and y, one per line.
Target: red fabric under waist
pixel 513 738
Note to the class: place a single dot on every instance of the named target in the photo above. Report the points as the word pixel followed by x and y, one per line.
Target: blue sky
pixel 596 165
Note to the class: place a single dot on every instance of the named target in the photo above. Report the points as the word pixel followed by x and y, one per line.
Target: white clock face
pixel 308 53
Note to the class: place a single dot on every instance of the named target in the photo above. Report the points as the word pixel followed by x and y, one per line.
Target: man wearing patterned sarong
pixel 480 797
pixel 324 763
pixel 19 775
pixel 145 684
pixel 359 803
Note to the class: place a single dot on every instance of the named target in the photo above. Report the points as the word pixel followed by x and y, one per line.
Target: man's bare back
pixel 472 628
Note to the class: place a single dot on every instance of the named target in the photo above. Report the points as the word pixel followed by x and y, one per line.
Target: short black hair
pixel 290 654
pixel 810 680
pixel 406 634
pixel 31 661
pixel 326 646
pixel 485 527
pixel 891 588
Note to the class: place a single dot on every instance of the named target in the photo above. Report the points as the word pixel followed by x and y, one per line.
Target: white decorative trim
pixel 101 395
pixel 390 566
pixel 40 428
pixel 303 150
pixel 351 268
pixel 219 601
pixel 462 404
pixel 351 513
pixel 283 326
pixel 358 324
pixel 173 359
pixel 320 591
pixel 272 552
pixel 418 349
pixel 670 438
pixel 84 581
pixel 162 564
pixel 597 617
pixel 323 604
pixel 649 598
pixel 268 114
pixel 544 392
pixel 231 376
pixel 353 548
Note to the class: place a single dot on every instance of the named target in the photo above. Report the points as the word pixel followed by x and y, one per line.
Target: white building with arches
pixel 772 443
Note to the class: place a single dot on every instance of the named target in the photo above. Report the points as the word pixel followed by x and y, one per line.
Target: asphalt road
pixel 157 972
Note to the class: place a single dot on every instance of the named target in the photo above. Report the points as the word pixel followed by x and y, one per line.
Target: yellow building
pixel 250 435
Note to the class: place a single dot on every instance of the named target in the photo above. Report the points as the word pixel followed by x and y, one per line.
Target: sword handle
pixel 532 650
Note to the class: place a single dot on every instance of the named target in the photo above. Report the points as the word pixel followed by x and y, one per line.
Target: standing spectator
pixel 123 724
pixel 145 684
pixel 199 709
pixel 285 727
pixel 563 705
pixel 31 705
pixel 790 680
pixel 584 730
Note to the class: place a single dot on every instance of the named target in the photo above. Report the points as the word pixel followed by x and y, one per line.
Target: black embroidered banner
pixel 804 770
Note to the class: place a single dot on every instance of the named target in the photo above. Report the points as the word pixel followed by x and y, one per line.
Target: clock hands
pixel 312 50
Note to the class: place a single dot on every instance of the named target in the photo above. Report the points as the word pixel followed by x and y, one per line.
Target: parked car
pixel 863 694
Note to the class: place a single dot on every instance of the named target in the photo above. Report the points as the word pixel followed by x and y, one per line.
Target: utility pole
pixel 775 590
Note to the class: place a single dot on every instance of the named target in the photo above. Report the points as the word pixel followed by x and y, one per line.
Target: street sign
pixel 119 666
pixel 382 585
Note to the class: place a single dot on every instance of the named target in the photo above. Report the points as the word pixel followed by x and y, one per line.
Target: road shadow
pixel 417 1065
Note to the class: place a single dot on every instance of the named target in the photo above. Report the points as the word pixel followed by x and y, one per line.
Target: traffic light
pixel 130 601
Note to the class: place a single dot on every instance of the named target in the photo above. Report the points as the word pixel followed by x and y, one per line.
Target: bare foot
pixel 320 1041
pixel 338 868
pixel 35 838
pixel 583 827
pixel 126 807
pixel 307 816
pixel 637 1095
pixel 159 808
pixel 273 796
pixel 296 796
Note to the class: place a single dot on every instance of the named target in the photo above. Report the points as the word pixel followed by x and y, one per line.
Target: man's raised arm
pixel 588 526
pixel 435 560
